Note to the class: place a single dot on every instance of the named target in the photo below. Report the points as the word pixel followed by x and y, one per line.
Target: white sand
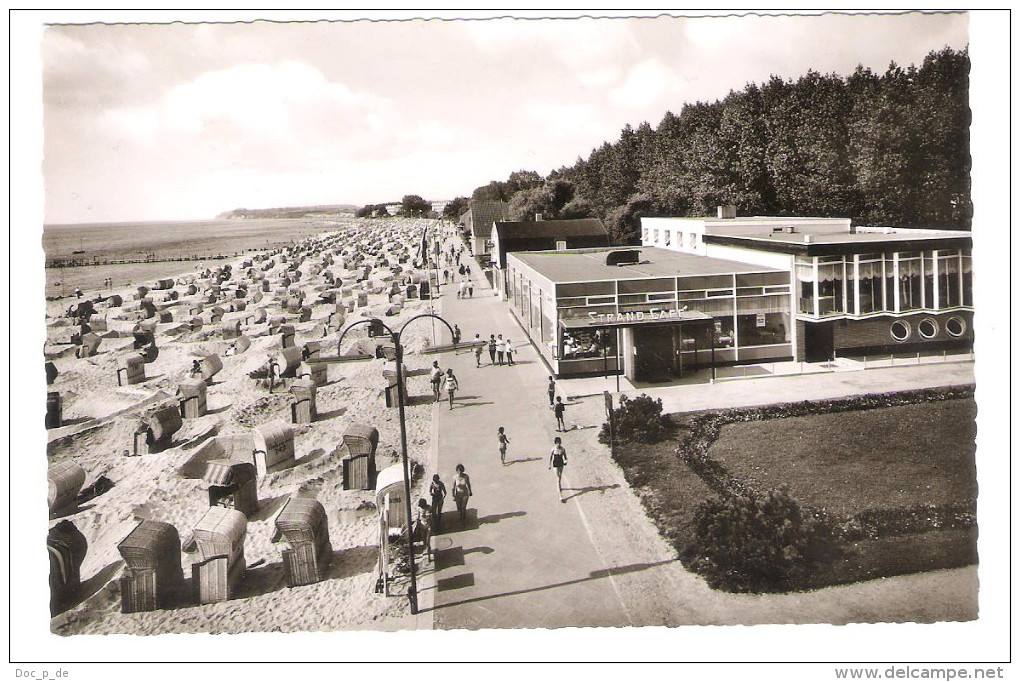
pixel 150 486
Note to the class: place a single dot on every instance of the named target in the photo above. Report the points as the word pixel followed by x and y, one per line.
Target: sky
pixel 185 121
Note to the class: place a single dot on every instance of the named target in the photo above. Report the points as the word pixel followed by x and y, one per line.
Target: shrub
pixel 639 419
pixel 756 543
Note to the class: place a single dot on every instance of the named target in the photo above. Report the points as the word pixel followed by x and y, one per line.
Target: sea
pixel 165 249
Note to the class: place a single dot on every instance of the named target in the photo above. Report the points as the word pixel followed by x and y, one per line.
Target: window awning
pixel 630 319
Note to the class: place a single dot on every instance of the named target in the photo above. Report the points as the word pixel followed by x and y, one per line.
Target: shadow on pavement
pixel 594 575
pixel 590 489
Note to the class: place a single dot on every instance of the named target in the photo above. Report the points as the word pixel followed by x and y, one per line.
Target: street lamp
pixel 412 594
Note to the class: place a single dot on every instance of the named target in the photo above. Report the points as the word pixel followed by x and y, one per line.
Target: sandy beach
pixel 100 418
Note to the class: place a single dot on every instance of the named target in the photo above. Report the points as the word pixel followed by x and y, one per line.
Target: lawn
pixel 848 462
pixel 845 461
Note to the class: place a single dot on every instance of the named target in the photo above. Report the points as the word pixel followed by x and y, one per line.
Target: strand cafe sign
pixel 655 315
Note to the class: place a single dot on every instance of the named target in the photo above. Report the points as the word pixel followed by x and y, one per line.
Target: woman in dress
pixel 461 492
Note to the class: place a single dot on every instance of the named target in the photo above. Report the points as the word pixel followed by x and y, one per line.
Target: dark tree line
pixel 881 149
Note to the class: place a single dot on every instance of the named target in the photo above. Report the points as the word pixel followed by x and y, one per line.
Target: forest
pixel 882 149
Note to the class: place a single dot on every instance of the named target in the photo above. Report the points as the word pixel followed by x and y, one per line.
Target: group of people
pixel 443 381
pixel 461 491
pixel 501 351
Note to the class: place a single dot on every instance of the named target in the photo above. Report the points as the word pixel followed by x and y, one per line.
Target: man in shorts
pixel 479 347
pixel 437 379
pixel 558 409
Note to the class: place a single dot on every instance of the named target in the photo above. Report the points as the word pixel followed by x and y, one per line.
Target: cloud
pixel 645 84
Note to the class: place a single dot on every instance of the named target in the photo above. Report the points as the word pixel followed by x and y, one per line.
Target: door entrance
pixel 657 353
pixel 818 342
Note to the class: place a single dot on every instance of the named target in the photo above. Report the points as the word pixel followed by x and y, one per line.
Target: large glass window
pixel 600 288
pixel 763 320
pixel 890 282
pixel 869 274
pixel 910 282
pixel 581 344
pixel 928 267
pixel 949 281
pixel 830 288
pixel 666 237
pixel 641 286
pixel 806 285
pixel 968 283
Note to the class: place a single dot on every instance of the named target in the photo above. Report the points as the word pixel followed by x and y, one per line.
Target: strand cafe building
pixel 721 291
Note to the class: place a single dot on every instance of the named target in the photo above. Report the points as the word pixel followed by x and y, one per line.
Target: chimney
pixel 538 217
pixel 727 212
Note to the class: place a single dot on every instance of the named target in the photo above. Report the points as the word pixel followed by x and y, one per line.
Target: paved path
pixel 524 559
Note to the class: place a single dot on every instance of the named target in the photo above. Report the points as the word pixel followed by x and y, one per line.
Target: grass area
pixel 848 462
pixel 669 490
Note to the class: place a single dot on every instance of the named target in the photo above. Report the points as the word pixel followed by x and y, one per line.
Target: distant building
pixel 438 206
pixel 393 209
pixel 702 292
pixel 478 222
pixel 540 235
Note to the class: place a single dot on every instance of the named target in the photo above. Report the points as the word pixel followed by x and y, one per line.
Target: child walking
pixel 503 441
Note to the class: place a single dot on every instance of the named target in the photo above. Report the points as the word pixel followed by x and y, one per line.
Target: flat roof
pixel 830 234
pixel 589 265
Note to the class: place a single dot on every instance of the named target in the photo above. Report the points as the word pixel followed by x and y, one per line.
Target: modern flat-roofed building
pixel 857 290
pixel 737 291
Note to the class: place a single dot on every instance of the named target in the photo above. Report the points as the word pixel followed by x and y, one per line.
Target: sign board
pixel 759 320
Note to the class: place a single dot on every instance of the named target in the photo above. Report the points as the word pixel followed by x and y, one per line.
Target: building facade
pixel 707 292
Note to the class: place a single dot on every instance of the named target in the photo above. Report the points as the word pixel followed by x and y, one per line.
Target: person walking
pixel 451 385
pixel 461 492
pixel 462 291
pixel 471 288
pixel 425 528
pixel 558 460
pixel 479 347
pixel 509 353
pixel 503 442
pixel 558 411
pixel 456 335
pixel 500 349
pixel 437 379
pixel 552 393
pixel 446 276
pixel 492 349
pixel 437 491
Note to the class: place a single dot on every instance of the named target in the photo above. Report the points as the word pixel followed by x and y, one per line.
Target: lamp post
pixel 412 594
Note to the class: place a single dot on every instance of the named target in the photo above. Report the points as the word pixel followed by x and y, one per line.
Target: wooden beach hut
pixel 64 481
pixel 274 447
pixel 304 527
pixel 153 578
pixel 211 366
pixel 192 397
pixel 67 547
pixel 230 329
pixel 232 485
pixel 54 410
pixel 389 500
pixel 131 369
pixel 317 372
pixel 357 451
pixel 156 430
pixel 303 409
pixel 219 536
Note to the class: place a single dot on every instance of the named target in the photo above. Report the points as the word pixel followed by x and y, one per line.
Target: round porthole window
pixel 955 326
pixel 900 330
pixel 928 328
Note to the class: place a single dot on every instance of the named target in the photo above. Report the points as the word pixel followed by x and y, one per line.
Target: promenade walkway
pixel 526 560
